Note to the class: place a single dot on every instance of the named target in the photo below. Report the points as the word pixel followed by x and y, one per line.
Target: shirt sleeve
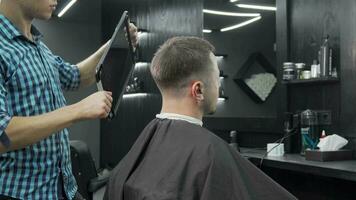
pixel 69 75
pixel 4 115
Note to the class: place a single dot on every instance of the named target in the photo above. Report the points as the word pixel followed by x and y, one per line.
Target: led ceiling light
pixel 257 7
pixel 233 14
pixel 232 1
pixel 66 8
pixel 240 24
pixel 207 31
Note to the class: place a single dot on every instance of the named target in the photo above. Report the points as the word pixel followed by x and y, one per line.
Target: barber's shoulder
pixel 9 47
pixel 10 54
pixel 44 46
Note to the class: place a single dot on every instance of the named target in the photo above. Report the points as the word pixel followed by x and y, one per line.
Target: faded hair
pixel 181 59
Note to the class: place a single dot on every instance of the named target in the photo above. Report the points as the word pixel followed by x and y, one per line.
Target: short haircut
pixel 179 59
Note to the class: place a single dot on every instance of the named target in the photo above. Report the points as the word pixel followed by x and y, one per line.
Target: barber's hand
pixel 133 35
pixel 97 105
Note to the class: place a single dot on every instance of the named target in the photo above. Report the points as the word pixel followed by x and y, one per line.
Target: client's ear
pixel 197 90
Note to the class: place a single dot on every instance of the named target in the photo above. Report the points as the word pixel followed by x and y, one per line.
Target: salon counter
pixel 345 170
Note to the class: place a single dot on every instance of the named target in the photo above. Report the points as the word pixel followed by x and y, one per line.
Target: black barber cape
pixel 178 160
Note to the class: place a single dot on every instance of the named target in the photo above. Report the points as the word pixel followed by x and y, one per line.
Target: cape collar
pixel 180 117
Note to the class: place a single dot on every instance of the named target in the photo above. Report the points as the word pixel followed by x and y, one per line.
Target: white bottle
pixel 315 70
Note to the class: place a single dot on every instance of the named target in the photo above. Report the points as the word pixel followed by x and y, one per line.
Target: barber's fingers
pixel 107 105
pixel 109 96
pixel 107 110
pixel 108 99
pixel 108 102
pixel 133 28
pixel 133 34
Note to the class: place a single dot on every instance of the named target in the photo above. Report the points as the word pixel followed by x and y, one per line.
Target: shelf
pixel 243 74
pixel 312 81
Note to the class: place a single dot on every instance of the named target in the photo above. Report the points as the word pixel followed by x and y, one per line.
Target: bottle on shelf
pixel 315 69
pixel 325 58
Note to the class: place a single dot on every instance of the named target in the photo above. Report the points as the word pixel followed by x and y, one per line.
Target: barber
pixel 34 145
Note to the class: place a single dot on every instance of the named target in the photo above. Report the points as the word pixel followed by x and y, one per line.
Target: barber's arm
pixel 87 66
pixel 24 131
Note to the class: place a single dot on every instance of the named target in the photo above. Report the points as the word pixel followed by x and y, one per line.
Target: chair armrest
pixel 98 182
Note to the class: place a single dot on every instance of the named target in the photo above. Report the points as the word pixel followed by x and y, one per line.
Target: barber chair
pixel 90 180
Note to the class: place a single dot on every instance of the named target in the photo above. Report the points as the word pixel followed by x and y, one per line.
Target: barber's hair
pixel 179 59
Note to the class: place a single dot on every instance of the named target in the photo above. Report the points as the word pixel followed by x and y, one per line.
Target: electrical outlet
pixel 324 117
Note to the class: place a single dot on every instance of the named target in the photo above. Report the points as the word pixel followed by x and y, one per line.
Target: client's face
pixel 212 90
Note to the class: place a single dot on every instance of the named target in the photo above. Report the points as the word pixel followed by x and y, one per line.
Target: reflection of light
pixel 257 7
pixel 141 65
pixel 241 24
pixel 142 34
pixel 134 95
pixel 220 56
pixel 215 12
pixel 66 8
pixel 207 31
pixel 221 99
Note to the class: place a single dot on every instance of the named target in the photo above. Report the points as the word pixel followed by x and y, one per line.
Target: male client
pixel 175 157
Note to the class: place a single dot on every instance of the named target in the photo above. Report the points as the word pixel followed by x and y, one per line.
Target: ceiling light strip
pixel 234 14
pixel 257 7
pixel 66 8
pixel 240 24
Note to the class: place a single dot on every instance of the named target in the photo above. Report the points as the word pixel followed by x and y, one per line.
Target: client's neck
pixel 182 107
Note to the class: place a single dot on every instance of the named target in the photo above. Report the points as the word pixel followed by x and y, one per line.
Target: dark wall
pixel 163 19
pixel 309 22
pixel 256 123
pixel 74 37
pixel 239 44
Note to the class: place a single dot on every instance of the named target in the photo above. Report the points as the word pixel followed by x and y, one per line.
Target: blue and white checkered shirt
pixel 31 83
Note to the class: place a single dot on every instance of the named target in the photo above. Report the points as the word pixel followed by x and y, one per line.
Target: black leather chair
pixel 88 178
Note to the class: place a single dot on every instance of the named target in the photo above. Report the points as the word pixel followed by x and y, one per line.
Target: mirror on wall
pixel 244 31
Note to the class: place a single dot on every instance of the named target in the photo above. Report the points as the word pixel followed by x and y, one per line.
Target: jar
pixel 299 68
pixel 288 71
pixel 306 74
pixel 310 130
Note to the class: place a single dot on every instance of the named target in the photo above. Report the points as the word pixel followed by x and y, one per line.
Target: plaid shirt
pixel 31 83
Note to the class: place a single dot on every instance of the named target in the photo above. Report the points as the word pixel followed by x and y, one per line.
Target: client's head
pixel 185 70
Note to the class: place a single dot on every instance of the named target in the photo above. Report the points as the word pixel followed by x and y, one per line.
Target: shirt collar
pixel 12 32
pixel 175 116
